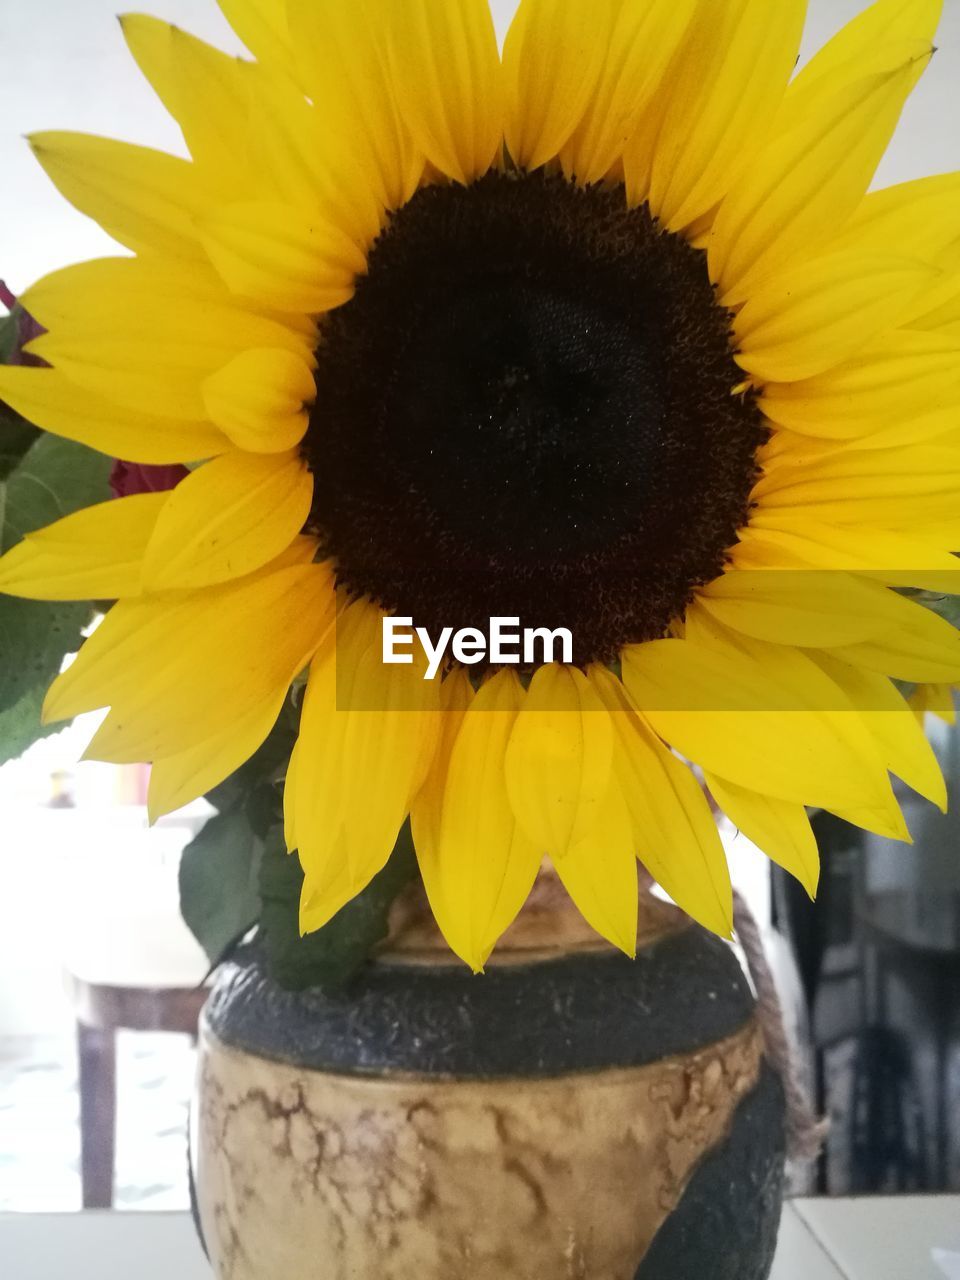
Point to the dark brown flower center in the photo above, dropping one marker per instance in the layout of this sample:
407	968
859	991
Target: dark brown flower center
526	410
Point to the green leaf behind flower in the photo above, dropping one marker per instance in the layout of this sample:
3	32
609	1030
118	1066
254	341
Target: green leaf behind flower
53	478
334	954
946	606
219	873
237	873
16	437
34	638
9	335
219	878
20	725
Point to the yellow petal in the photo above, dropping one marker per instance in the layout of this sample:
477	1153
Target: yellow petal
124	372
342	57
698	232
51	401
888	823
262	26
558	759
147	332
791	449
282	256
791	539
938	699
600	874
888	382
552	58
807	319
177	780
887	716
290	799
323	895
914	639
812	609
642	44
907	489
804	183
228	518
676	834
182	667
447	82
486	864
259	399
764	716
307	154
857	45
730	79
148	295
456	695
94	554
146	200
923	214
919	647
202	88
883	815
937	308
779	828
366	739
800	479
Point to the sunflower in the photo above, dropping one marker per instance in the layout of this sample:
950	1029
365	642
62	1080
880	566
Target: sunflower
604	333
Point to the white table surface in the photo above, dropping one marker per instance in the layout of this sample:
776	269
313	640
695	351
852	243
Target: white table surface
870	1239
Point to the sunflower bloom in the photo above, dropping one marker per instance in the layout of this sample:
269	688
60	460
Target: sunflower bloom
603	332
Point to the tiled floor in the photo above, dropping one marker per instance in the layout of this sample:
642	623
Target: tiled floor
40	1130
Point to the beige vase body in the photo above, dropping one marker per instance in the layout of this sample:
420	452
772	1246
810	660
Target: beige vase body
571	1115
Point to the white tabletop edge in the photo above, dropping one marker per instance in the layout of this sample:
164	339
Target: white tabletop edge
100	1245
800	1255
884	1238
869	1239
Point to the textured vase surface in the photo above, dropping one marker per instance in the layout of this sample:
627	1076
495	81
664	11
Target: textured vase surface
569	1115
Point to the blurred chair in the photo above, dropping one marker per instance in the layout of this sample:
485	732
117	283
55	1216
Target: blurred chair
130	961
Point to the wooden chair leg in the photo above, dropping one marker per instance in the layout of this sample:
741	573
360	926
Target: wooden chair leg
97	1053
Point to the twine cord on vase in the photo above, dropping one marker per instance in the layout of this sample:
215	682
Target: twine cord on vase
806	1132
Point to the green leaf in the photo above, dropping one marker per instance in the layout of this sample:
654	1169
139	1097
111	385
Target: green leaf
946	606
34	638
16	437
330	957
219	873
9	335
54	478
20	725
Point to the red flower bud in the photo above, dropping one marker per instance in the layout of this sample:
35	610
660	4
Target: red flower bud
128	478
